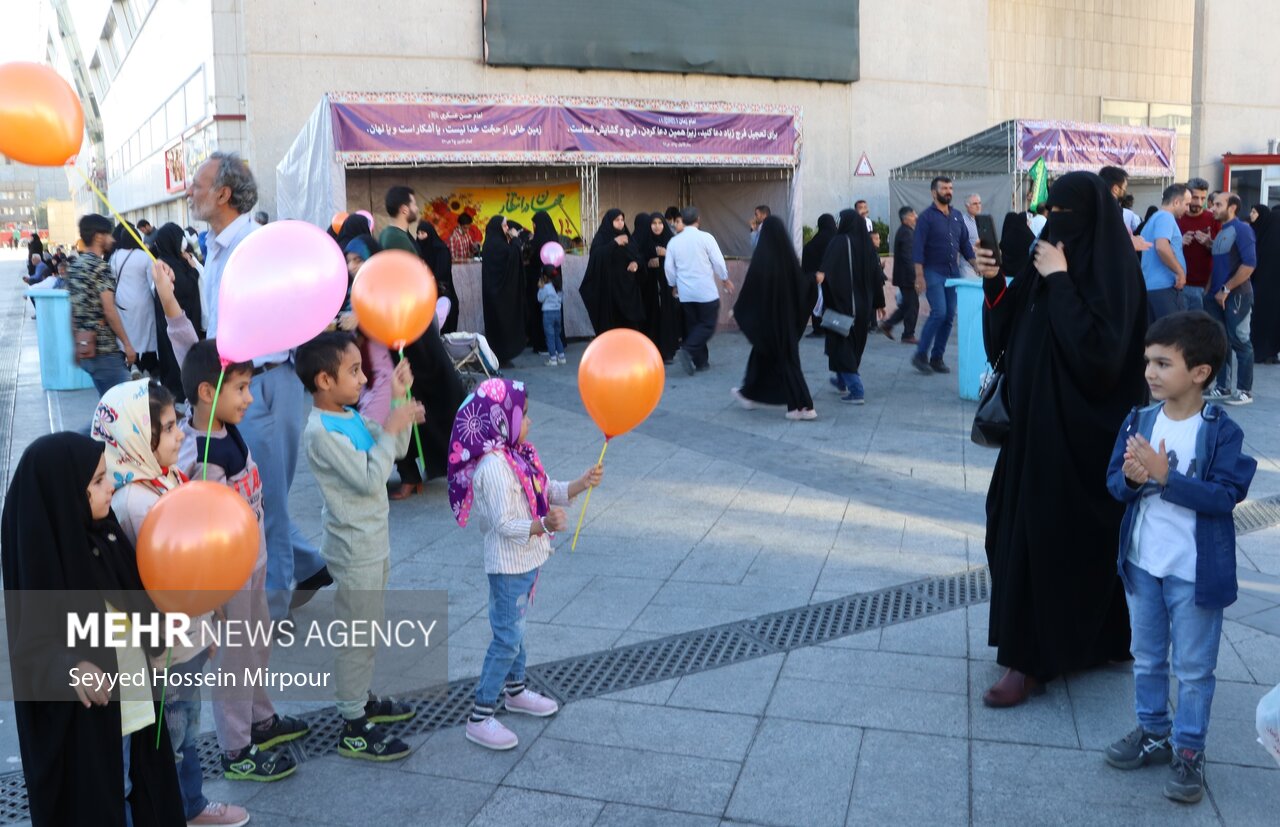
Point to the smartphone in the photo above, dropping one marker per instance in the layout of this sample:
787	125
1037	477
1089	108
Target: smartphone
987	235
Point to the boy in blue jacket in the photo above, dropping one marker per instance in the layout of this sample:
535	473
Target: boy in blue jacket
1179	467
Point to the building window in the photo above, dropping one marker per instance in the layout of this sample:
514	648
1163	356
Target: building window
125	17
1175	116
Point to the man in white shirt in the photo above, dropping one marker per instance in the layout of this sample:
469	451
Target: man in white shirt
972	209
695	267
222	192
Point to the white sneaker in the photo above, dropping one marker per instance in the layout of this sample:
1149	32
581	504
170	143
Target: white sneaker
552	362
1216	394
746	403
1241	398
562	360
802	415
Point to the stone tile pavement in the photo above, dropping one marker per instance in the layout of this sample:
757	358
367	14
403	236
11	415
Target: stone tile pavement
710	514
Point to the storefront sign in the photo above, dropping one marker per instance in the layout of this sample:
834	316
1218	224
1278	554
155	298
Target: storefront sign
1067	146
415	128
515	203
175	169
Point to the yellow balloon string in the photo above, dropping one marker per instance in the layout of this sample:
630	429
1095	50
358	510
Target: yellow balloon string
574	545
119	217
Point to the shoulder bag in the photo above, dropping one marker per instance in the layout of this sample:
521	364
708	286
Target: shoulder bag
991	421
839	323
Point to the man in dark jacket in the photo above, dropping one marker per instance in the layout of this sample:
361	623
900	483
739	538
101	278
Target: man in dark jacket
904	278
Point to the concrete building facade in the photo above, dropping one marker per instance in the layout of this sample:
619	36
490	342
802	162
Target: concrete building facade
233	74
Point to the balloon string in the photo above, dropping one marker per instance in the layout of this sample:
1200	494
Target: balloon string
164	691
574	545
119	217
417	439
208	435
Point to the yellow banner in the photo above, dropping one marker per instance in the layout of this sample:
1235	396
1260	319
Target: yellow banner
516	203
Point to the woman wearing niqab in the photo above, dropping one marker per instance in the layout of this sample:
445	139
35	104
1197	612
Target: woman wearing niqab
1072	344
772	310
502	291
611	286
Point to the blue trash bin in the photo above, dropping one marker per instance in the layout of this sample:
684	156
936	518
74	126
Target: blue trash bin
973	354
58	368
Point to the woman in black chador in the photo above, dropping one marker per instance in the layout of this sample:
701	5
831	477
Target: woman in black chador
1265	332
666	327
433	251
544	233
502	290
611	286
813	251
851	281
1071	327
772	310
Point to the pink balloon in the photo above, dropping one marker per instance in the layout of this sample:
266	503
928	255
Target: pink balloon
282	286
552	254
367	217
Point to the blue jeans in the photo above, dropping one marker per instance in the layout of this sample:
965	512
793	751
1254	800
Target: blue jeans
510	596
1193	298
128	782
272	428
1164	302
942	315
699	326
106	370
182	717
1236	317
1163	613
553	327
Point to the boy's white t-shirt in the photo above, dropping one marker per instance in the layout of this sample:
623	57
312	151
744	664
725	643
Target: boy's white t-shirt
1164	534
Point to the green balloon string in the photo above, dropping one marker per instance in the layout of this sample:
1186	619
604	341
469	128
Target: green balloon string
417	439
164	691
208	435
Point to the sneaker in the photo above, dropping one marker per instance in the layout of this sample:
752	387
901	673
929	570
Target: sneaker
363	738
853	398
1186	781
921	364
491	734
1241	398
701	368
306	589
686	362
255	765
387	710
528	702
216	812
802	415
1138	749
284	728
838	385
553	362
562	360
1217	394
938	366
747	404
910	340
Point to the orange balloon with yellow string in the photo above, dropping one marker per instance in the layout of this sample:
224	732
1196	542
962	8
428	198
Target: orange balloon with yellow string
41	120
394	297
620	379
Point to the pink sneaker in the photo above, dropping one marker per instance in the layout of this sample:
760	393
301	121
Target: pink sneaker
529	702
491	735
216	812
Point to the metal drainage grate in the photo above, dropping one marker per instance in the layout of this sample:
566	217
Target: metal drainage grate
1253	515
626	667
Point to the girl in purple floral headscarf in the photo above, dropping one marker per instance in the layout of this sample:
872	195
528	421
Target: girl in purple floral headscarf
493	468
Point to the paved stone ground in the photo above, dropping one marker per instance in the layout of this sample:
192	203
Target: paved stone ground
711	514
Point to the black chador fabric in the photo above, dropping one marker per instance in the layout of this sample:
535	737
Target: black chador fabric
437	385
436	254
51	545
816	247
610	291
772	310
666	324
353	227
502	290
852	285
1072	345
1016	239
544	232
1265	332
186	289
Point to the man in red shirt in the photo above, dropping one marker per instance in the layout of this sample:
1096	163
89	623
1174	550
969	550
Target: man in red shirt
1199	228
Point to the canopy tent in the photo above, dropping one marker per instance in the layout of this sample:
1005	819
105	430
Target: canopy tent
995	162
711	154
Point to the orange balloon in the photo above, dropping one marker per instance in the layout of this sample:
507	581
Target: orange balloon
338	219
394	297
41	121
197	547
620	379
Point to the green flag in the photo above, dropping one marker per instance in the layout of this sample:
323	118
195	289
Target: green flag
1039	184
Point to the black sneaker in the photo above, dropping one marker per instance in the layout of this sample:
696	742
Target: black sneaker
939	366
387	710
307	588
1186	783
254	765
284	728
921	364
364	739
1138	749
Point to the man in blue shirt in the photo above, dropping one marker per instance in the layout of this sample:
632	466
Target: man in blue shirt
1164	266
1230	298
940	237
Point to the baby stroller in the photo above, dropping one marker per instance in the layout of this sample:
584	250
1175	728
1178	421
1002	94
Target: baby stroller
470	352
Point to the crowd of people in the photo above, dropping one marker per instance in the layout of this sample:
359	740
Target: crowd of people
1125	550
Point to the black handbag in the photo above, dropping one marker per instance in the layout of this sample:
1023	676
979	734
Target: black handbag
839	323
991	421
